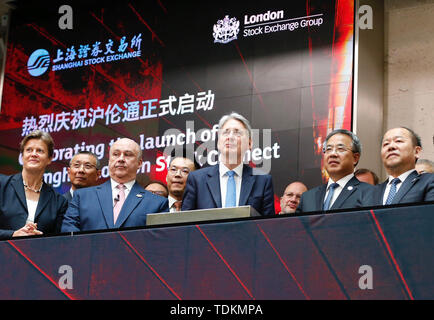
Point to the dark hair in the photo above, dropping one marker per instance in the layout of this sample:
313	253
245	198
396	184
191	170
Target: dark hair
356	144
157	182
89	154
183	154
363	170
415	139
39	135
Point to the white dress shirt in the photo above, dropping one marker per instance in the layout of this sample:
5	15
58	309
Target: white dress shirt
172	200
115	190
341	182
31	208
238	176
402	177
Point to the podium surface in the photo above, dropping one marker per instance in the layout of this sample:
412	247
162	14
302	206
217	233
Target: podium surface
213	214
319	256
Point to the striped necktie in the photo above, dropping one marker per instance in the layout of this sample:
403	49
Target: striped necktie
392	191
328	200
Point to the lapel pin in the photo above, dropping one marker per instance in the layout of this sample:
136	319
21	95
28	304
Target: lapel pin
139	195
350	188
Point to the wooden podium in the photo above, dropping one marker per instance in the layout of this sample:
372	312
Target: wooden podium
200	215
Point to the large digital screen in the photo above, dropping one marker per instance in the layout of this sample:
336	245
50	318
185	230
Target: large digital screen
164	72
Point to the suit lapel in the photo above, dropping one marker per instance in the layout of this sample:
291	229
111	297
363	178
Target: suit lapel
213	183
135	196
406	186
44	198
319	197
247	185
105	198
68	195
380	195
17	183
348	189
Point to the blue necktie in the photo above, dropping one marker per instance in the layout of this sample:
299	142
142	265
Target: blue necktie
327	201
392	190
231	191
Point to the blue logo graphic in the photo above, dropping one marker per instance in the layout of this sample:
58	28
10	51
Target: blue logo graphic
38	62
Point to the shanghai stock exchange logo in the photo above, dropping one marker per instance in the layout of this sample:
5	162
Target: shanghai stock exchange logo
226	30
38	62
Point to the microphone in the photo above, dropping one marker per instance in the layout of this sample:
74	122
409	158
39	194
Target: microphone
116	200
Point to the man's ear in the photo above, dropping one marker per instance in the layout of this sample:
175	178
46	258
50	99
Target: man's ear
417	151
356	158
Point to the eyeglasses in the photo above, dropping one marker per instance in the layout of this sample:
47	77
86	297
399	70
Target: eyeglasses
236	133
340	149
86	166
159	193
174	171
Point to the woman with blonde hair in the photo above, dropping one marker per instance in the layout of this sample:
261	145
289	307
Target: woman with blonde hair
28	206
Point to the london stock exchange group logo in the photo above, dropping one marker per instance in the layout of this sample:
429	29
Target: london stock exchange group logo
38	62
226	30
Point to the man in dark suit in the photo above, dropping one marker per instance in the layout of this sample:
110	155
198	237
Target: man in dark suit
400	150
176	178
118	203
230	183
342	150
84	171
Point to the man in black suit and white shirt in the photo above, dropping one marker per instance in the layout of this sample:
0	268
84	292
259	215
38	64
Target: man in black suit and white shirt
342	151
84	171
400	150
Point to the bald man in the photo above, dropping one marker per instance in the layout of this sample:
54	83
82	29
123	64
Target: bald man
120	202
291	197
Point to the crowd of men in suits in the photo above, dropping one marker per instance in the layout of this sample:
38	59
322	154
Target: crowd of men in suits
122	202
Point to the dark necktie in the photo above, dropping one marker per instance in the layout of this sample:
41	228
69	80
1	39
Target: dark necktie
392	191
327	201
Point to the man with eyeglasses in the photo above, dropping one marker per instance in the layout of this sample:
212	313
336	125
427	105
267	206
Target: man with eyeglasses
179	169
157	187
342	150
84	171
230	183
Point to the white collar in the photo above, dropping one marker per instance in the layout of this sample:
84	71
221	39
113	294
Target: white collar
128	184
401	177
341	182
172	200
223	169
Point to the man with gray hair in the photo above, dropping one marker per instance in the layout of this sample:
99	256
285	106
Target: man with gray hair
424	166
230	183
342	150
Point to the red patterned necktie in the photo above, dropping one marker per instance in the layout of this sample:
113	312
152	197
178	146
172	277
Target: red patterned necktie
177	205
